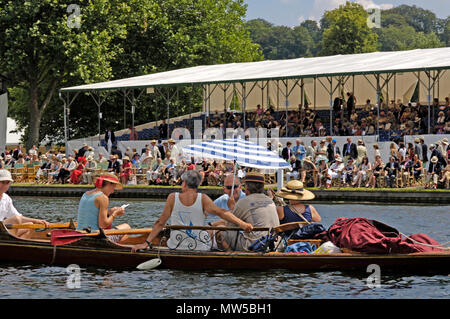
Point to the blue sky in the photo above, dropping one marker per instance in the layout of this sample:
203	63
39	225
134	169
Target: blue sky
292	12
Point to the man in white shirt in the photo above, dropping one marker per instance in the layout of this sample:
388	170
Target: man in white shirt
66	169
8	213
174	152
335	170
33	151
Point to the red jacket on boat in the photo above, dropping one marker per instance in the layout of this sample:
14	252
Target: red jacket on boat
373	237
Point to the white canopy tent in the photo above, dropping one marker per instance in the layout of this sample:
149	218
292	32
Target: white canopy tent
287	82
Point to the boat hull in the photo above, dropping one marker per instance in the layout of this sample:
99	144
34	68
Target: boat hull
100	252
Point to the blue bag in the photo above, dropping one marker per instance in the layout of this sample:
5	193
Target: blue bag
308	231
263	244
300	247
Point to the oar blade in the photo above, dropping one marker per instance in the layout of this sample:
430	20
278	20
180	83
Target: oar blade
149	264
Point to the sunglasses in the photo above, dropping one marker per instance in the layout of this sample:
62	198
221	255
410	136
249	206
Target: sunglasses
230	187
5	182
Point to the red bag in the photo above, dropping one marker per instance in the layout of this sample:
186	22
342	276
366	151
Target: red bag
373	237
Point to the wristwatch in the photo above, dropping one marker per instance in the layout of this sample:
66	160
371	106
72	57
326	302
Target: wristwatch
149	244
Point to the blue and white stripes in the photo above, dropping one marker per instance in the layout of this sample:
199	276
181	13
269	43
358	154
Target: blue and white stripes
245	153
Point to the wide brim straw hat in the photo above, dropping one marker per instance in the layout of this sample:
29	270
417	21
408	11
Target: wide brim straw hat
109	177
255	177
5	175
294	190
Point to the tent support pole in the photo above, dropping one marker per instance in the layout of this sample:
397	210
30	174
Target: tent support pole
377	76
331	105
315	93
286	102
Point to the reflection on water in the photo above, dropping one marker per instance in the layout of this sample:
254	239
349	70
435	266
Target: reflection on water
42	281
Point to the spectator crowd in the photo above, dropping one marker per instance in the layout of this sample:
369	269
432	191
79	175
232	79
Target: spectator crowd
322	163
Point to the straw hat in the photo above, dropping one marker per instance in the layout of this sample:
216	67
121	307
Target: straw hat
5	175
255	177
308	159
294	190
110	177
444	141
126	158
434	159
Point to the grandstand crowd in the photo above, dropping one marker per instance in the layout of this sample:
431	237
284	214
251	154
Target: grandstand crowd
321	163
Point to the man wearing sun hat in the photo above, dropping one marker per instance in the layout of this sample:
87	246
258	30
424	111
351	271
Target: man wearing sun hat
8	213
434	169
255	208
335	170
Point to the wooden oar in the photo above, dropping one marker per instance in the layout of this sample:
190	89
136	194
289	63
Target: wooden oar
39	226
278	229
155	262
66	236
180	227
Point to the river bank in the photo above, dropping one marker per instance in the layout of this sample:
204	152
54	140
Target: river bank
395	196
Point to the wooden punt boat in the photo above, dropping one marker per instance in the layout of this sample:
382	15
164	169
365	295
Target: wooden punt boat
99	251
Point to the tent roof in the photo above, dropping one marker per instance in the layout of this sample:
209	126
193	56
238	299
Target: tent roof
364	63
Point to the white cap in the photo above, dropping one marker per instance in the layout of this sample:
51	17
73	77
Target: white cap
5	175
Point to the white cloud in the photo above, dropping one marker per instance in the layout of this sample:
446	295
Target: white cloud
369	4
320	6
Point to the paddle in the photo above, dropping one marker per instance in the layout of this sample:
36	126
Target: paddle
155	262
38	226
177	227
66	236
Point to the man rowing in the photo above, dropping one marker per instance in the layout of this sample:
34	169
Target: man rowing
256	208
189	208
227	200
9	214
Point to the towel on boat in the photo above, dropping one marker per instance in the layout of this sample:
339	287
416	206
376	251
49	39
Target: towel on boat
373	237
300	247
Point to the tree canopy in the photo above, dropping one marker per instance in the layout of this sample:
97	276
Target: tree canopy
343	31
44	49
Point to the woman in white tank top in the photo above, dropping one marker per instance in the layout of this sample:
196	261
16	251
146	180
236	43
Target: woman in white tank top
189	208
188	216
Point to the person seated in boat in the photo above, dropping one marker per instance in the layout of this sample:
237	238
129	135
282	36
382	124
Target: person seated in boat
93	209
189	208
255	208
296	211
9	214
226	201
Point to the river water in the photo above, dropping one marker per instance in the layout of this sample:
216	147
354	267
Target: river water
49	282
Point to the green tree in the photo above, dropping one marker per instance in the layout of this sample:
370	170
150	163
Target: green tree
421	20
40	51
394	38
346	31
116	39
281	42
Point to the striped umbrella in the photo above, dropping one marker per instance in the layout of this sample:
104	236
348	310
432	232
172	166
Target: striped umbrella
236	150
